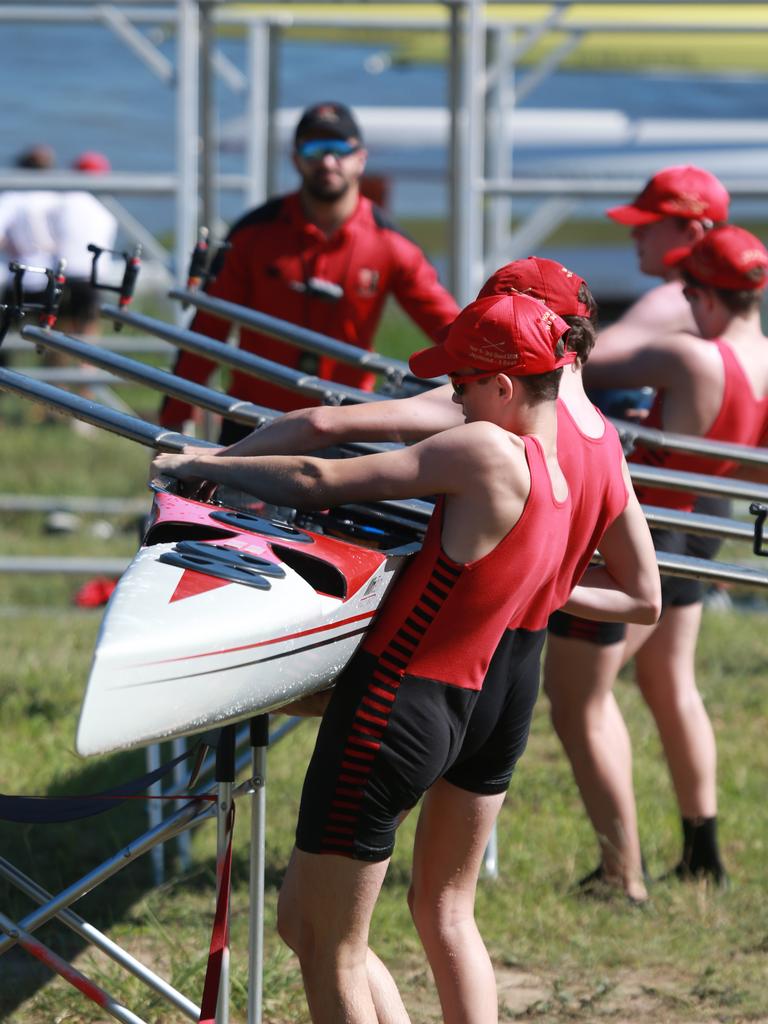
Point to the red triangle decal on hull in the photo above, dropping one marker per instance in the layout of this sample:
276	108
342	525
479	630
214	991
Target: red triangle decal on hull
193	583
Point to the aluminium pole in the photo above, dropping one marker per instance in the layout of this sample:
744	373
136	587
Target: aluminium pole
257	130
455	224
190	63
187	134
259	740
468	143
209	140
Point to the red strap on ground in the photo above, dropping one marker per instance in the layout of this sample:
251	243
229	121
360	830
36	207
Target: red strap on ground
220	933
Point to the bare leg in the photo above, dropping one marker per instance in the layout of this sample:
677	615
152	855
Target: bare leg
452	833
324	915
578	679
666	676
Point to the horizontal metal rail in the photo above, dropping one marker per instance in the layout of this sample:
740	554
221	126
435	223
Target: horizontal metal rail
99	415
650	437
70	375
310	341
694	522
713	572
162	380
71	503
697	483
43	565
327	391
413	510
598	188
108	343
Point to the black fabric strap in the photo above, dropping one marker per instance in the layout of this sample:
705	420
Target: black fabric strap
38	810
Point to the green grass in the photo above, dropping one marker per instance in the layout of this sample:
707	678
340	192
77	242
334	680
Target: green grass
708	52
694	956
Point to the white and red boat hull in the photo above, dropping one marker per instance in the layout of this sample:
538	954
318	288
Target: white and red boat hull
275	614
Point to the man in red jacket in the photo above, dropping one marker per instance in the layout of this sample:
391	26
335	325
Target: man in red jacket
325	258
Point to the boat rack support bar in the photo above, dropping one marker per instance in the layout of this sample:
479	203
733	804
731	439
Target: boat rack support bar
56	963
225	780
194	810
259	740
101	941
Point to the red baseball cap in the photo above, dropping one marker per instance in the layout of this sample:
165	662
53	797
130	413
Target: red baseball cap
95	163
683	191
548	280
727	257
514	334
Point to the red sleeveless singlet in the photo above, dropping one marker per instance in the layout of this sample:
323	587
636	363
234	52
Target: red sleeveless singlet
742	419
443	619
592	466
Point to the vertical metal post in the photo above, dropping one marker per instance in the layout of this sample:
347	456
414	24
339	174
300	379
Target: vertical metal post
499	110
184	839
467	200
187	135
225	777
259	738
155	813
455	223
209	140
273	145
258	112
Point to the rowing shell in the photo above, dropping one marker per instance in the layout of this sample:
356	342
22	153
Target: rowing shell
226	613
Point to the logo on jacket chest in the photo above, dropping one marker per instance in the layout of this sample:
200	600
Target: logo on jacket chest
367	284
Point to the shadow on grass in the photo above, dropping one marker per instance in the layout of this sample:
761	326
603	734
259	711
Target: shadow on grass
57	855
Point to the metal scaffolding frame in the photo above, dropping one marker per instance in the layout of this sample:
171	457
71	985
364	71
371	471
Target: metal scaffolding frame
485	50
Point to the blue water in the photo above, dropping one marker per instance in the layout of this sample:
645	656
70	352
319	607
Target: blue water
79	87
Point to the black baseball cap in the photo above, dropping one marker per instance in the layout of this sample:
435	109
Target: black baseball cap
332	120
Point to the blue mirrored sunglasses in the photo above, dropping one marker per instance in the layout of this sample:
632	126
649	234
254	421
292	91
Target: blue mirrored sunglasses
316	149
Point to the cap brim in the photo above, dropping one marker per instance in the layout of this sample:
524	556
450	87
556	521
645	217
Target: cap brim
434	361
632	216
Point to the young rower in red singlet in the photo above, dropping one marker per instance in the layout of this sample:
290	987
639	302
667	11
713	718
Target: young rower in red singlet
590	453
397	721
714	386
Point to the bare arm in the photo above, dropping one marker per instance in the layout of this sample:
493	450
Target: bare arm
309	430
444	464
627	353
627	588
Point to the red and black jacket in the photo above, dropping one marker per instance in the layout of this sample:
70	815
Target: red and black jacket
273	251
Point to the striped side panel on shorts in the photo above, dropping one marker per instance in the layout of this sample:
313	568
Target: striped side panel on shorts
372	717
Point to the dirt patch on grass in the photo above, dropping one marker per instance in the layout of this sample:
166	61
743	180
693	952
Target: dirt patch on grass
627	997
624	998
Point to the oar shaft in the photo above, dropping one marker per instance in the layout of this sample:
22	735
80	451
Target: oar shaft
325	391
160	380
130	427
302	337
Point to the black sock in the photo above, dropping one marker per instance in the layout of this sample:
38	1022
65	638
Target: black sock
701	855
